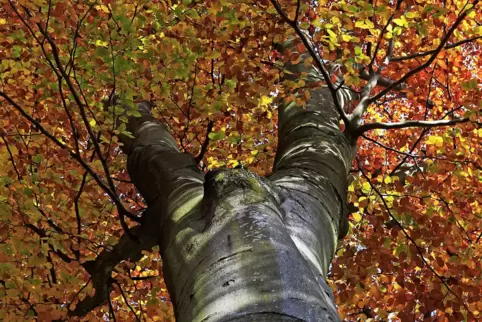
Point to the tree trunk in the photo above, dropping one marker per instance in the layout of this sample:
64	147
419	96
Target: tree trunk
239	247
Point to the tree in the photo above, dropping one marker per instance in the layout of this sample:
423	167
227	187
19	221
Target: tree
135	131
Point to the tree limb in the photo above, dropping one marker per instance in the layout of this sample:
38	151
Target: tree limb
401	125
319	64
205	145
356	115
101	268
382	81
12	159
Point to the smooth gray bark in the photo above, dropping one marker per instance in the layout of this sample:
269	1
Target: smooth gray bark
238	247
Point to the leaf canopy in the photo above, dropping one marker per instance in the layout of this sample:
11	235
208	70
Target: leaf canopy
414	248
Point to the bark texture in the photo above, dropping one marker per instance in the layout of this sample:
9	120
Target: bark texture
238	247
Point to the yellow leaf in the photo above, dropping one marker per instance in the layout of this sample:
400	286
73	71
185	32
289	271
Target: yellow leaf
265	100
345	37
442	64
366	187
101	43
402	22
435	140
365	24
356	216
103	8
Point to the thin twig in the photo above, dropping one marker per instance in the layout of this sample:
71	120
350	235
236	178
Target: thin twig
127	302
429	52
12	160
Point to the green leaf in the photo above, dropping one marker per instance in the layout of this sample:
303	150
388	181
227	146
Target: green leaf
128	134
216	136
10	284
358	51
472	84
230	84
134	113
235	139
37	158
17	51
193	14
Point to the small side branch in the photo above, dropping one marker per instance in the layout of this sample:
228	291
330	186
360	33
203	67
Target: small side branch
430	52
126	300
12	159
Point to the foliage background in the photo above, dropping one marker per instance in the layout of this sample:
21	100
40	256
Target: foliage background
414	247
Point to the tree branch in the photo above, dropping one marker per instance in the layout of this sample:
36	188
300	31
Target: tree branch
297	12
377	47
12	159
127	301
205	145
400	125
319	64
362	105
101	268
